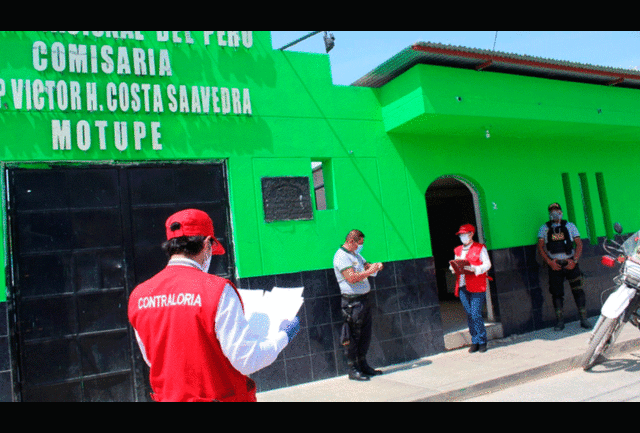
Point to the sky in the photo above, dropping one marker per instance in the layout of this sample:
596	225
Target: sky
356	53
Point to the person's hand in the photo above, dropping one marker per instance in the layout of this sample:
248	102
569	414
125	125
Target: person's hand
553	264
372	268
291	327
570	264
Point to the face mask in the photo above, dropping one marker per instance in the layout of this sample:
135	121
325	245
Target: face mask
359	249
465	238
555	215
206	263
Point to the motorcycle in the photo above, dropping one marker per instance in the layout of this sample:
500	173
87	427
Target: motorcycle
622	305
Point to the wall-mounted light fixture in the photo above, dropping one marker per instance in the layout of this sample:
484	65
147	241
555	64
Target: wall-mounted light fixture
329	40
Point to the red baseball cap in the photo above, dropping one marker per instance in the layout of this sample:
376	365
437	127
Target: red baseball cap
466	228
192	222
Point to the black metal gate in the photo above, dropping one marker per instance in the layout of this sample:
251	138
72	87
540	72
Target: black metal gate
81	239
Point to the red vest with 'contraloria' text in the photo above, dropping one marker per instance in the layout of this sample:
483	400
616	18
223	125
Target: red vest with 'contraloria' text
174	315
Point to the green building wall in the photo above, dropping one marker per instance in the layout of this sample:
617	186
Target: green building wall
384	146
297	116
539	130
519	142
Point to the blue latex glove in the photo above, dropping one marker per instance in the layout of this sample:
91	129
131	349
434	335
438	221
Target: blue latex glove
291	328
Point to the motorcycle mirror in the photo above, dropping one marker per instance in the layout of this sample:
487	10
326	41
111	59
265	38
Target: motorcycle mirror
618	228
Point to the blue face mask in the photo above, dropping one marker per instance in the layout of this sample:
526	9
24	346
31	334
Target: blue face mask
555	215
359	249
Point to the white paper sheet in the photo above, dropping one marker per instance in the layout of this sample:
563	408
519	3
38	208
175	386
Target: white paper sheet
265	310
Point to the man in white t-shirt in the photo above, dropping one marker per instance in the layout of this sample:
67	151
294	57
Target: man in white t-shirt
352	272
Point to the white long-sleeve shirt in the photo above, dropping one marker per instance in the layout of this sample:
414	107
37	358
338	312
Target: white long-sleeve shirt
247	349
243	346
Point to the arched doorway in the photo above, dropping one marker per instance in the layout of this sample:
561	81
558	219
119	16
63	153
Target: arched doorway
451	202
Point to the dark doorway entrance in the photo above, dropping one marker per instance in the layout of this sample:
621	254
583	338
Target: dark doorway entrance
81	239
450	203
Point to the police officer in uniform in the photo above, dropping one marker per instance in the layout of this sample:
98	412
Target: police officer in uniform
556	239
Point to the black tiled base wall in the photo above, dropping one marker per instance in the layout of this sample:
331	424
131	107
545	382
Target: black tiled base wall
406	318
406	313
406	322
521	287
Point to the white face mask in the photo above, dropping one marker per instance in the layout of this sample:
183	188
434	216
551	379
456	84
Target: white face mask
206	264
465	238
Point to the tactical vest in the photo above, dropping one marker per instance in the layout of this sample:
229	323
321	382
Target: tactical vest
558	239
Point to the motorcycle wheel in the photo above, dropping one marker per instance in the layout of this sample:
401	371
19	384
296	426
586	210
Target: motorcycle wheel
600	341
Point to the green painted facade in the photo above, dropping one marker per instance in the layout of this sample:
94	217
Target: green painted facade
229	96
438	118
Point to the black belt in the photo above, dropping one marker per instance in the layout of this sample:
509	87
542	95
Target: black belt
564	262
355	297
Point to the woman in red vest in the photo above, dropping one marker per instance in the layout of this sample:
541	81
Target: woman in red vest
471	284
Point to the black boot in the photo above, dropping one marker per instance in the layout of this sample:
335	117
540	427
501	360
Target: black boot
558	304
474	348
559	321
583	319
366	369
355	373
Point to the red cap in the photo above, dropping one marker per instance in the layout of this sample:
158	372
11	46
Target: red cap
192	222
466	228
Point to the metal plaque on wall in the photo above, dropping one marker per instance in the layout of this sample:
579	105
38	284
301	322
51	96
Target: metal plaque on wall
286	198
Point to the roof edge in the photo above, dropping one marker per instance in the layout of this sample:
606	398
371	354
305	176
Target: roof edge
496	61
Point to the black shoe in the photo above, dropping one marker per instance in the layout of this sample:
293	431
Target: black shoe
585	324
474	348
355	374
557	303
483	348
366	369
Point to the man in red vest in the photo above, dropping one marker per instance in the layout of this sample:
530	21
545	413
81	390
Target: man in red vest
190	325
471	284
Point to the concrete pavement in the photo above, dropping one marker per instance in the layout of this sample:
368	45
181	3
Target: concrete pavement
456	374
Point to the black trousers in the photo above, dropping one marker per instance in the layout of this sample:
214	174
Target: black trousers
556	286
356	330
